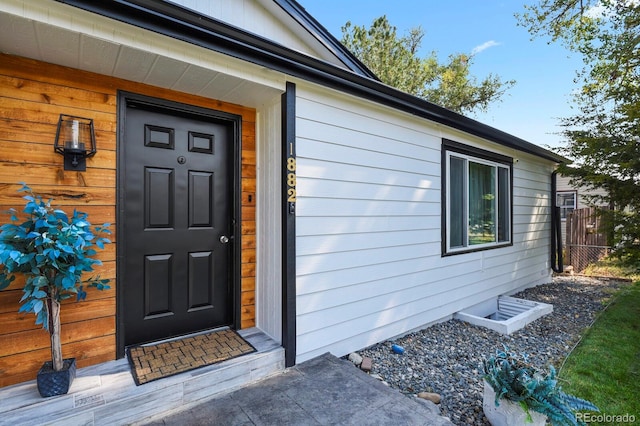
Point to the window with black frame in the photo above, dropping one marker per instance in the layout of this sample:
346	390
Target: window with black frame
477	206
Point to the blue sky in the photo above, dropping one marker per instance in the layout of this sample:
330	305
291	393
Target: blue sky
544	73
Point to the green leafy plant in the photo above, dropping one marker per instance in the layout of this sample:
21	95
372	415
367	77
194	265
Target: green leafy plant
513	378
52	251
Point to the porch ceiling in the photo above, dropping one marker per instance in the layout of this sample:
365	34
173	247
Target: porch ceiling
56	44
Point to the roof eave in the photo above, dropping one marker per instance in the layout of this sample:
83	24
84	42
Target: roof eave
174	21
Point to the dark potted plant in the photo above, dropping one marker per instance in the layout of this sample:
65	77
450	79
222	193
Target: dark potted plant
52	251
512	382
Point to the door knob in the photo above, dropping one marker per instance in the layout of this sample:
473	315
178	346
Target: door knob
224	239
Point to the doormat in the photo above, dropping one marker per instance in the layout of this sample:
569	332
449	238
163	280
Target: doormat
153	362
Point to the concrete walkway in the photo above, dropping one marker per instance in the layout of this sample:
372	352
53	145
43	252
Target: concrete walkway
323	391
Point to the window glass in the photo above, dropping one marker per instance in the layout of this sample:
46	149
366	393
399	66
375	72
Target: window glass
567	203
482	203
478	202
457	211
504	198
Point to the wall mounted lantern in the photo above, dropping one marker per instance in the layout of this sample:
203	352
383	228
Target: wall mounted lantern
76	140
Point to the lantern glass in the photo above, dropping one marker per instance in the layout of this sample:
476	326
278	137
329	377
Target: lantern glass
75	139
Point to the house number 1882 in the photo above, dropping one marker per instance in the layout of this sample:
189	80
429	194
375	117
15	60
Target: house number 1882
291	180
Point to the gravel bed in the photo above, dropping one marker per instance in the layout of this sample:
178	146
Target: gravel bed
445	358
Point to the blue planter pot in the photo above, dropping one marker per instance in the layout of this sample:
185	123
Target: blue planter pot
52	383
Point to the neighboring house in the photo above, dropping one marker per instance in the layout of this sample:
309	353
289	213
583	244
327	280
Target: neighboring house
240	144
571	197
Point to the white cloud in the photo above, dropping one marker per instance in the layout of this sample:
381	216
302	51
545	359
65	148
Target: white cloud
597	11
484	46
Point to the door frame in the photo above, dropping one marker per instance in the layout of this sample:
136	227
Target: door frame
126	99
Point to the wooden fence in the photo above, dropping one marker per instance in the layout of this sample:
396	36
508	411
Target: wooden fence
586	241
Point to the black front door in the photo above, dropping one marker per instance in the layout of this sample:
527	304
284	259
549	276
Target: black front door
177	195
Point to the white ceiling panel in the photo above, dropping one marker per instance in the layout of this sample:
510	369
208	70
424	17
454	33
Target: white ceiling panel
98	55
134	64
58	47
247	94
221	86
194	79
18	36
165	72
97	52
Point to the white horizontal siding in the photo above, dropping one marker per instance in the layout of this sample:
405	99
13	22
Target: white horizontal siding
367	273
382	254
368	218
319	150
266	19
345	172
250	16
326	225
346	303
342	243
365	139
340	189
375	326
309	206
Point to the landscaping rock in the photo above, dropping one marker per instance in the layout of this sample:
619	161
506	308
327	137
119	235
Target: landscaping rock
430	396
355	358
366	364
446	357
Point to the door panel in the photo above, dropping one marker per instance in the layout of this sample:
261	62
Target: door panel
201	198
157	285
159	198
201	275
177	199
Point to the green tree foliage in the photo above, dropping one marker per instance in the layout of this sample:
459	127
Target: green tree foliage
603	137
395	61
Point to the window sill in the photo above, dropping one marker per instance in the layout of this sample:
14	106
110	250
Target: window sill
476	249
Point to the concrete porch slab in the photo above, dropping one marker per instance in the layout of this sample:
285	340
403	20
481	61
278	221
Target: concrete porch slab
106	393
322	391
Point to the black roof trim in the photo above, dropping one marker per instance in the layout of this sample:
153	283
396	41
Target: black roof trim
300	14
183	24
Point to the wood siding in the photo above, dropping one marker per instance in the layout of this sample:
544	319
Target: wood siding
369	263
32	96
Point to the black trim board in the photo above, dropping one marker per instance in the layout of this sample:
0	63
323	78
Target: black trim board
125	99
557	261
449	145
183	24
288	228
